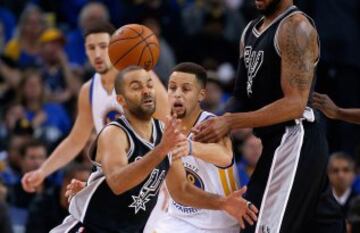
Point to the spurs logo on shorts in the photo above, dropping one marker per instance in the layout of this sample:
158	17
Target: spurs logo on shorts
253	61
148	191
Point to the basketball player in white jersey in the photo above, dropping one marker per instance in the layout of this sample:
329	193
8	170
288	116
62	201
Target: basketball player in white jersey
96	105
208	166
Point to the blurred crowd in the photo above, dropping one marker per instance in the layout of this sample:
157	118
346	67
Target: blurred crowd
43	64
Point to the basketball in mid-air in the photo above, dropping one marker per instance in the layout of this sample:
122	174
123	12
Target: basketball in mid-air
134	44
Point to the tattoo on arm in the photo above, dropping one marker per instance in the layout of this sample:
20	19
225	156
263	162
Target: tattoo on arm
299	49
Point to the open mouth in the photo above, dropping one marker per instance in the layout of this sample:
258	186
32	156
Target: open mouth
148	101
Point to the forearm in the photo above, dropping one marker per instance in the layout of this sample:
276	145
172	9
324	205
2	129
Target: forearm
135	172
192	196
282	110
62	155
212	153
351	115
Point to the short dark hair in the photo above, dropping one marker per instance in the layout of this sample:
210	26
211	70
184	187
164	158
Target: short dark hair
342	156
192	68
120	78
99	27
31	144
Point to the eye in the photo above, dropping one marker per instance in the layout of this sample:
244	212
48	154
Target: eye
172	87
135	86
103	46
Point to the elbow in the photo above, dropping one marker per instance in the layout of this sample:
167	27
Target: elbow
298	107
114	186
179	193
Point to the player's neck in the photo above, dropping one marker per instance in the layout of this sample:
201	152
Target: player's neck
283	6
141	126
189	121
108	80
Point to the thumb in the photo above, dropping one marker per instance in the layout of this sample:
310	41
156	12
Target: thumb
241	191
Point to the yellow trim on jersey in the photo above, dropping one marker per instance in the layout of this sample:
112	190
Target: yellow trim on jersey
232	178
224	182
228	180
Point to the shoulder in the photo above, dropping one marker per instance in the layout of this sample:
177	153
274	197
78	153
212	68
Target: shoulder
297	35
297	25
113	132
84	94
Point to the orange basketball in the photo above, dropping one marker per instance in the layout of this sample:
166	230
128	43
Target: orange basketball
134	44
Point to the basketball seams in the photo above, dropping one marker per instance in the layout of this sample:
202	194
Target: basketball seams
144	40
124	55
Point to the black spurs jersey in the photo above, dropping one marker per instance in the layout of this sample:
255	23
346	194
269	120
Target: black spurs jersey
100	210
258	81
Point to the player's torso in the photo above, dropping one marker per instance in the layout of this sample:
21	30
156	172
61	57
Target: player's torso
262	62
129	211
103	105
210	178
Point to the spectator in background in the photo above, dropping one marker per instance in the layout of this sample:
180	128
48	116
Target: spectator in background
251	151
49	120
214	29
51	207
10	78
20	134
5	222
213	101
60	82
33	155
7	25
341	172
91	12
339	66
24	47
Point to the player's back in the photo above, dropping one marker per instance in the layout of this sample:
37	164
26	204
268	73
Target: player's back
104	107
100	210
213	179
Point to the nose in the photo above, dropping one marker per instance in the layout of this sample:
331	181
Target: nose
97	52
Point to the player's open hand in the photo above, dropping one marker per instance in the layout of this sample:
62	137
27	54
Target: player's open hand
326	105
211	130
32	180
239	208
172	135
73	188
182	149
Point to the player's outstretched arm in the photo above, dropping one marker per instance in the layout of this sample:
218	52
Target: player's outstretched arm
219	153
114	161
332	111
298	44
187	194
162	102
68	148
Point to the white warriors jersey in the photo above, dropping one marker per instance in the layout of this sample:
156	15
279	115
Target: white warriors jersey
210	178
104	107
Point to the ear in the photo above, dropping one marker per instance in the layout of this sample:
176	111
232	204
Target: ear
202	95
121	100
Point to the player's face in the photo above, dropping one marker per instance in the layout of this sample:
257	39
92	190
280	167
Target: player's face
185	93
139	94
267	7
341	174
96	46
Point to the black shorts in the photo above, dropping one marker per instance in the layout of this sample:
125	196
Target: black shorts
290	184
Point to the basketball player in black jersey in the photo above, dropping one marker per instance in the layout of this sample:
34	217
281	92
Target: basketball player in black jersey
278	56
132	161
